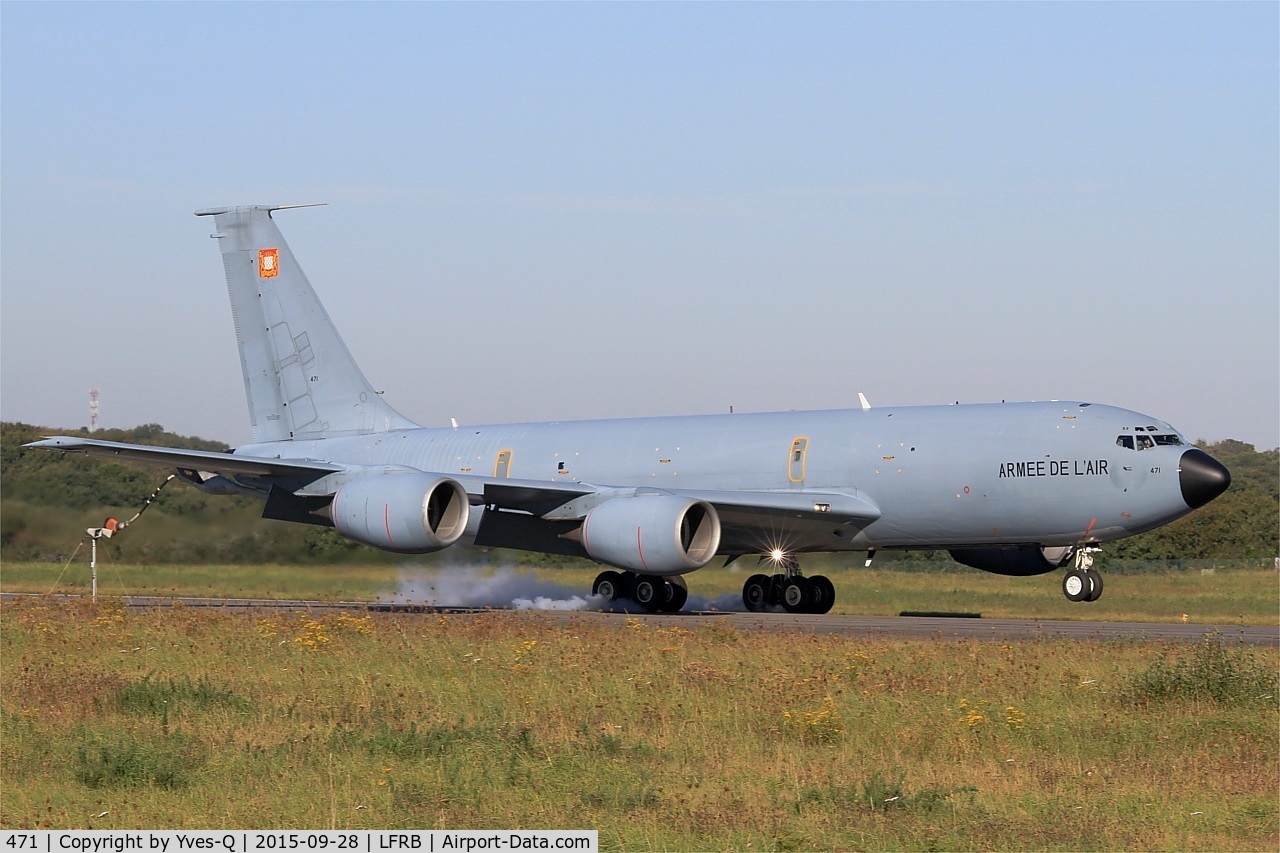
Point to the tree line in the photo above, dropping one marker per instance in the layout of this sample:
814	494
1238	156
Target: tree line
48	499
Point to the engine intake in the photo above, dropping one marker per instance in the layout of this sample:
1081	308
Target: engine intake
653	534
406	513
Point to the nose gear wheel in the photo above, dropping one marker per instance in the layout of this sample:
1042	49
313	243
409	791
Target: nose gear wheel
1083	582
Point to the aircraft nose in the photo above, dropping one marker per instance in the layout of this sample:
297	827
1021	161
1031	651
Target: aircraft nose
1202	477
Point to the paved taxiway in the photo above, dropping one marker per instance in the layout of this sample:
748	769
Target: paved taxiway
919	627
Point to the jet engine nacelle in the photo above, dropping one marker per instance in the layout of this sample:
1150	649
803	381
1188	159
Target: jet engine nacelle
652	534
408	513
1016	560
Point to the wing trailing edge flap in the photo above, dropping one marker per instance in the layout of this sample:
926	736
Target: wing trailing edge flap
531	496
526	514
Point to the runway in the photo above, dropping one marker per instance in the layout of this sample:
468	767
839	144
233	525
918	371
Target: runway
939	627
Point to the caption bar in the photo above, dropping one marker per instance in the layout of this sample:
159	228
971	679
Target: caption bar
257	841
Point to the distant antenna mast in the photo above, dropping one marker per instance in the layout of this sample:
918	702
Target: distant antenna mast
93	410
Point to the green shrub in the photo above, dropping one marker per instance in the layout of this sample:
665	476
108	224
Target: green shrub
120	760
161	697
1210	670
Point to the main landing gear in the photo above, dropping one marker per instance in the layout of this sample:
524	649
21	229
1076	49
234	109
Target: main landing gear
792	590
653	593
1083	582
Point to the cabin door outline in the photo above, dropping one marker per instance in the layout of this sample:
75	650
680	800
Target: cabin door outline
502	464
797	459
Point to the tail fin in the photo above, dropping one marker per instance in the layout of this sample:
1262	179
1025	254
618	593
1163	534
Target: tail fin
299	377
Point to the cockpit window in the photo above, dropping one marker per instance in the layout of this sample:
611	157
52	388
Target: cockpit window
1143	441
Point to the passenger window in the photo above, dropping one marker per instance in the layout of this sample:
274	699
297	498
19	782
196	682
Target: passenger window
1125	441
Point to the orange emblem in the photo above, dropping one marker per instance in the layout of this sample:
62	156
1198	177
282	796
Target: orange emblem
268	263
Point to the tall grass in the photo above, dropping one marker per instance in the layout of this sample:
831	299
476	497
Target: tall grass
661	738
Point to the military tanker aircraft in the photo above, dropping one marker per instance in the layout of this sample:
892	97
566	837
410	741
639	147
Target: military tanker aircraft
1011	488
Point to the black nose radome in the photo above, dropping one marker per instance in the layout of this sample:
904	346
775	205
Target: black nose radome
1202	477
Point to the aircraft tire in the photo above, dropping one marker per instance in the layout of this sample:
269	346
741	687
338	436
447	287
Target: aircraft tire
798	596
824	594
651	592
609	585
1076	585
679	595
755	593
1095	585
777	583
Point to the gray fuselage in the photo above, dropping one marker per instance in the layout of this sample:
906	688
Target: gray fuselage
1050	473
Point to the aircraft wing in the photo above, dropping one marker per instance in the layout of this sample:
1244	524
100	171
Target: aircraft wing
530	510
535	497
228	464
540	515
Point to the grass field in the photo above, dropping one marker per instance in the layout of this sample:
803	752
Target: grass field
663	739
1219	597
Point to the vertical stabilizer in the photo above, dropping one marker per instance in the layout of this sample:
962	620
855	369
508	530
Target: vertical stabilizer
299	377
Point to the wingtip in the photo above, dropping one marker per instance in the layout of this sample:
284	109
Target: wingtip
48	441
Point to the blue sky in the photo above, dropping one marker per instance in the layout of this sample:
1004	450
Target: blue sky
553	211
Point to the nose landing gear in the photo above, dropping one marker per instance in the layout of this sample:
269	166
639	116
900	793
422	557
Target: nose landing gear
1083	582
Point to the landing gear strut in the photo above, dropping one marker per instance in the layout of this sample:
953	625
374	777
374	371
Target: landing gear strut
791	589
1083	582
653	593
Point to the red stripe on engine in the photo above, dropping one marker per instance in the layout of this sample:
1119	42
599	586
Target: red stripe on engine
386	520
640	549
